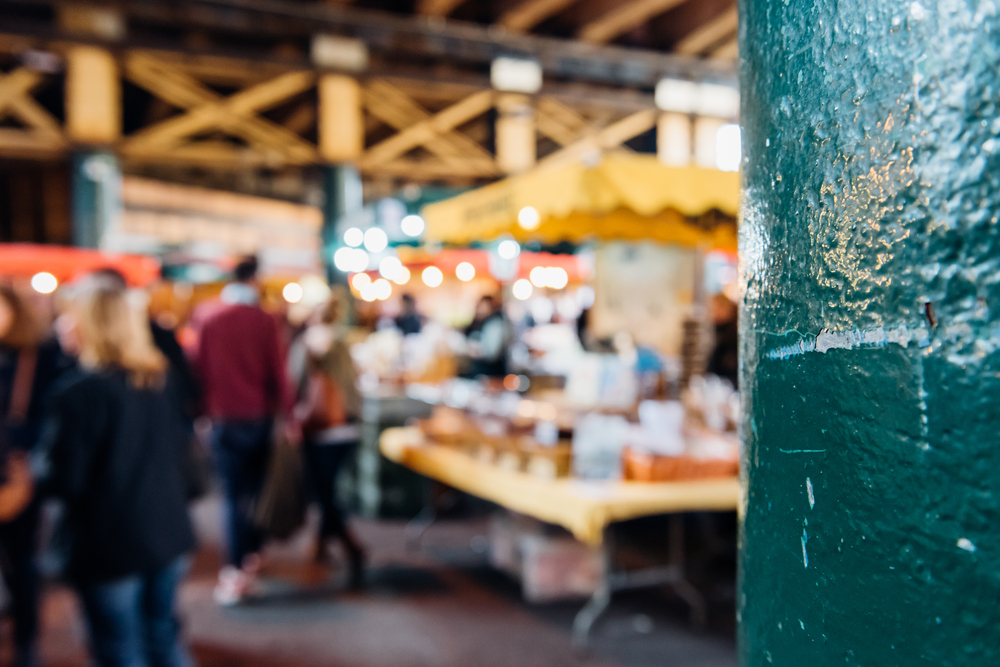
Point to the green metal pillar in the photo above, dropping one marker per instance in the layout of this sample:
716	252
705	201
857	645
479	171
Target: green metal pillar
343	196
870	330
96	197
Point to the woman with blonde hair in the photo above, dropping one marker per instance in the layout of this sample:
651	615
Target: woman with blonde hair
116	447
330	411
30	364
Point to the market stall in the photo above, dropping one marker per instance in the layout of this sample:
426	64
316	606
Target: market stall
620	437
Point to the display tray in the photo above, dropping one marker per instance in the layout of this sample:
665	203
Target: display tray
645	467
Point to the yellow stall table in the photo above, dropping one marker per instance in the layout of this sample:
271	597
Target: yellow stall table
585	508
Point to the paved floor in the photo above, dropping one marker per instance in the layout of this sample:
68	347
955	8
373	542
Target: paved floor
442	606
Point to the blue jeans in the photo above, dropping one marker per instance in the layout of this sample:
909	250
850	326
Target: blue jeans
242	450
132	621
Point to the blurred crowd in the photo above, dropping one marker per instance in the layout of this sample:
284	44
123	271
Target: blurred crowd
104	421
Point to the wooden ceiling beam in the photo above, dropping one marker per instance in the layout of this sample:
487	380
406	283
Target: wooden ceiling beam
611	137
432	170
530	13
397	109
728	51
560	123
437	8
16	101
709	34
628	15
426	131
208	111
394	38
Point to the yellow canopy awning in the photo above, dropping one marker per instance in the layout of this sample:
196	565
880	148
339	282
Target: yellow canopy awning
625	197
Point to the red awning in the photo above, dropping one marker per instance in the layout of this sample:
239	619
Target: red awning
23	260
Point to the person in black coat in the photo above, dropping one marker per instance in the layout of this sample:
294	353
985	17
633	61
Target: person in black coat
31	362
115	445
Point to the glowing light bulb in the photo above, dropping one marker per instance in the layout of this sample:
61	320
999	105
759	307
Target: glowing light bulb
728	151
44	283
354	237
390	267
538	276
359	281
412	225
383	290
375	240
292	292
522	289
432	276
556	277
528	218
350	260
402	277
465	272
508	249
342	259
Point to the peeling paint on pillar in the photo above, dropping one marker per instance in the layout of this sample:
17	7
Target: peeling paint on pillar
870	258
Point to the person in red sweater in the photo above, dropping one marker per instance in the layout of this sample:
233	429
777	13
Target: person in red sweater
242	364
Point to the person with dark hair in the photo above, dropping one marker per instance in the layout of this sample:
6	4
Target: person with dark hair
115	450
241	360
409	321
488	337
246	270
724	360
31	361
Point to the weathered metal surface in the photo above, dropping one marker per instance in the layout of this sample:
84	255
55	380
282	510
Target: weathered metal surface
870	256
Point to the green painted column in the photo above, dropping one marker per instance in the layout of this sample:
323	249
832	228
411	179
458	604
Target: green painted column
870	256
343	195
96	197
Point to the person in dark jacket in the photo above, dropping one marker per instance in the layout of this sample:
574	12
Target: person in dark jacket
30	363
724	361
115	445
330	413
409	321
488	339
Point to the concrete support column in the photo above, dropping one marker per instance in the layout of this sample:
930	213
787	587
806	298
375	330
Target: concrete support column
673	139
344	194
870	333
93	96
341	119
96	197
515	133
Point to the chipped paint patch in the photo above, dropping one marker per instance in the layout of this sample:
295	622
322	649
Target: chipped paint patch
852	339
966	545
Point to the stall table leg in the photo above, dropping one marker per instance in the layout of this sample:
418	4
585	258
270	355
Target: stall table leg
672	574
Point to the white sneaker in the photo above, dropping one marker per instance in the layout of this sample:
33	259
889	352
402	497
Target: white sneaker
233	587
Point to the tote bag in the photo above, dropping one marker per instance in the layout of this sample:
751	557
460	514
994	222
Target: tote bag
281	508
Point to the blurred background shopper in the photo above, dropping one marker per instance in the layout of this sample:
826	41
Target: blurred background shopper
242	365
330	412
116	445
30	361
488	339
